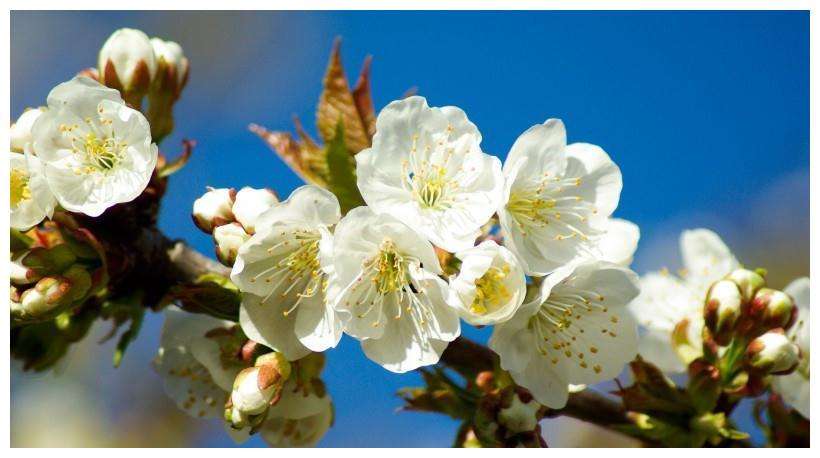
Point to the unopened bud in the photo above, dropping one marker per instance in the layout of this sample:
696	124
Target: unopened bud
249	396
722	309
20	131
519	411
127	63
172	66
170	78
769	309
772	353
748	282
485	381
255	387
250	203
19	274
228	238
214	209
47	295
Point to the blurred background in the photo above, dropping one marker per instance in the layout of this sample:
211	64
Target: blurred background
706	113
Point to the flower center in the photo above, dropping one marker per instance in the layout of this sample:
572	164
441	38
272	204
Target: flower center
102	154
560	325
426	172
96	153
546	205
391	275
19	192
491	290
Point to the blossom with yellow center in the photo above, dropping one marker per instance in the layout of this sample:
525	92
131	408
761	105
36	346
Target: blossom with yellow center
283	272
575	330
96	151
30	199
426	166
490	285
557	201
390	291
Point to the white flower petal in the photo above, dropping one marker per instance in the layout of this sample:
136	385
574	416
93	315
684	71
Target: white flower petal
265	322
620	241
706	259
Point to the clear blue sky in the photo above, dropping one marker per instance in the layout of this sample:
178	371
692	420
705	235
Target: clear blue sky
707	115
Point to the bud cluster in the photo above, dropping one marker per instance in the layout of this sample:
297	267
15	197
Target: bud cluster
46	280
231	217
744	339
139	66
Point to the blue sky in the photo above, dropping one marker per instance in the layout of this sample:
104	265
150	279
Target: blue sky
707	115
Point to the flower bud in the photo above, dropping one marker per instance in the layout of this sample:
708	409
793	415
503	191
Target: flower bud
172	67
171	76
748	282
772	353
249	395
519	411
214	209
228	238
127	63
769	309
722	310
20	131
250	203
256	387
20	274
47	295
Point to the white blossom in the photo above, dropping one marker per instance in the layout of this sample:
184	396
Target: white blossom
426	167
20	131
796	387
391	291
193	373
249	204
557	201
30	198
667	301
490	285
283	272
96	151
576	330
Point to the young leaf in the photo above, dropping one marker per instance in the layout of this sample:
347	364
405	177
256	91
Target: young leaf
342	172
336	104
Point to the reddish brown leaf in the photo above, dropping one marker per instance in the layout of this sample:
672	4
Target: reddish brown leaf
336	103
364	99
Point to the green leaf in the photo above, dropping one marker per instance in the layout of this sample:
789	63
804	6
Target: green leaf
342	172
129	335
210	294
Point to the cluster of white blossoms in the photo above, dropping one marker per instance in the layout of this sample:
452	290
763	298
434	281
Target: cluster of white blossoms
86	151
309	273
198	377
91	148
